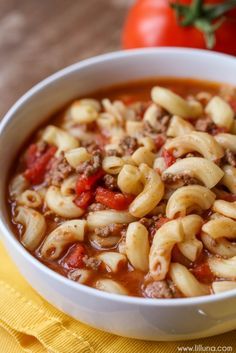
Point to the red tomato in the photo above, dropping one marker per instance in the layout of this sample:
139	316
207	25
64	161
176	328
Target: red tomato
152	23
86	183
111	199
74	258
159	141
84	200
203	273
31	155
161	221
168	157
233	104
38	165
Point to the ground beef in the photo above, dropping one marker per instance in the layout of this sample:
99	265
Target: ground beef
91	262
114	229
139	108
92	147
161	125
113	152
90	167
230	157
128	145
203	124
110	182
207	125
158	289
96	207
59	171
150	224
183	179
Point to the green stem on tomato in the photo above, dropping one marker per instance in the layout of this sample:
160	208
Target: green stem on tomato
212	12
201	16
195	12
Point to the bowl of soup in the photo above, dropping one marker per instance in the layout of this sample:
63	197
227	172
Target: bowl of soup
118	192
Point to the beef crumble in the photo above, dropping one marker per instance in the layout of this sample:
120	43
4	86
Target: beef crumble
90	167
158	289
230	157
160	126
128	145
182	178
91	262
110	182
96	206
150	224
114	229
60	169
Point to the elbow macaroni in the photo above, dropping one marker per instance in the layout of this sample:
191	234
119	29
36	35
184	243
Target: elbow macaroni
189	198
67	233
164	240
200	142
221	112
35	226
204	170
175	104
151	195
137	246
63	206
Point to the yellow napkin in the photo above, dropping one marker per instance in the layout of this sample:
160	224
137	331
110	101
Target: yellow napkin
29	324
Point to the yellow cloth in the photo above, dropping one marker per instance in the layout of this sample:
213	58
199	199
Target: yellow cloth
30	324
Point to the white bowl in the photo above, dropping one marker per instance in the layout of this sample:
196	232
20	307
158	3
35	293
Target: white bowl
151	319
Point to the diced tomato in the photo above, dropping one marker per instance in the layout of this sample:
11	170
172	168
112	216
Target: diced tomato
84	200
159	141
31	155
74	258
203	273
37	169
161	221
111	199
232	102
86	183
168	157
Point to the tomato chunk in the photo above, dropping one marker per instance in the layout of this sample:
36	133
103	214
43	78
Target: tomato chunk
168	157
74	258
159	141
232	102
38	165
111	199
31	155
203	273
85	183
161	221
84	200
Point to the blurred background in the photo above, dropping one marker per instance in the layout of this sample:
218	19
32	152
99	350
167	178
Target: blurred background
39	37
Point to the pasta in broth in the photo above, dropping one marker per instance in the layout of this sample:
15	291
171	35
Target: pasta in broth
132	191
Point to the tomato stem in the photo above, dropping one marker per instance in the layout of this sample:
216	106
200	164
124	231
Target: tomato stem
194	13
201	17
